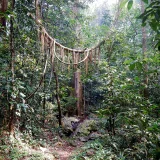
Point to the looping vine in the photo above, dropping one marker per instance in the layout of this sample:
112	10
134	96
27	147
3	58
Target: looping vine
73	63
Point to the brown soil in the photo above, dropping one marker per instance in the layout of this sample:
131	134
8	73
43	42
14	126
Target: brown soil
64	150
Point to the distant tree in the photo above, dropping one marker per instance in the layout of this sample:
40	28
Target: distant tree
3	9
144	50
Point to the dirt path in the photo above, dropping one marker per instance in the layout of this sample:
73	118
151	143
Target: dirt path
51	150
60	151
65	150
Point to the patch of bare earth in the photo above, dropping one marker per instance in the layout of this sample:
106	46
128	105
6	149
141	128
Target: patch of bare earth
65	150
62	150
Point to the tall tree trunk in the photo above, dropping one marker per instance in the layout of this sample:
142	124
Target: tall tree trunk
77	27
78	92
77	74
38	12
12	106
57	96
144	49
3	8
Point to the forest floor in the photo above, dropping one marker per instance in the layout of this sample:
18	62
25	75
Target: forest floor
60	151
65	151
64	148
49	147
47	144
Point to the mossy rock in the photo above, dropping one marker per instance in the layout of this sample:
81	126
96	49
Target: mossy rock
95	135
85	128
67	126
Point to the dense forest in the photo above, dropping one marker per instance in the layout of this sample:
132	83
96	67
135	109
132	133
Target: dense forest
79	80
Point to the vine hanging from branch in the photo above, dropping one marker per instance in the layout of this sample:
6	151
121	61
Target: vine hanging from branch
64	52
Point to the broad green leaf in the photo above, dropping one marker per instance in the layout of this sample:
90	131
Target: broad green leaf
153	25
143	24
154	107
130	3
128	61
131	67
123	3
136	79
139	66
145	1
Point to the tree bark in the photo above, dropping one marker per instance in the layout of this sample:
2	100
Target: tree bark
77	27
78	92
144	49
57	97
3	9
37	7
12	106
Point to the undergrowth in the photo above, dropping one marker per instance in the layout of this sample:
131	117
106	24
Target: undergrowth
135	140
23	146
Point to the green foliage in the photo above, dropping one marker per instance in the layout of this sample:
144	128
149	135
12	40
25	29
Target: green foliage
134	139
112	89
129	5
151	17
118	85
